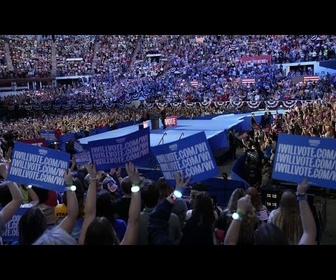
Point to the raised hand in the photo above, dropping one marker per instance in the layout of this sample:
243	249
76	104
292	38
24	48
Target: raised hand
244	203
133	173
91	168
181	182
68	178
303	187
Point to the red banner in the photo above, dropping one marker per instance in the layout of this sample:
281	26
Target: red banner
171	121
258	59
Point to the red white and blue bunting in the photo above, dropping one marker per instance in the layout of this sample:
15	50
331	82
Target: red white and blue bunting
255	105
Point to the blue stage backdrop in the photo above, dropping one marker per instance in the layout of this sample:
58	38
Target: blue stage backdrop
300	156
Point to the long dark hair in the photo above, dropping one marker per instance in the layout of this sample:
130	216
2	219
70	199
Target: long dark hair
104	206
32	224
101	232
204	208
270	234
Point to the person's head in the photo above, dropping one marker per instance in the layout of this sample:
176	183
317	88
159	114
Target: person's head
288	217
81	173
255	197
192	198
269	234
126	185
164	188
32	224
55	236
204	207
150	193
104	205
200	186
101	232
288	200
235	195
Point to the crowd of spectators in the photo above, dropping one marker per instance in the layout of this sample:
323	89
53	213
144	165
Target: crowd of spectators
160	69
172	67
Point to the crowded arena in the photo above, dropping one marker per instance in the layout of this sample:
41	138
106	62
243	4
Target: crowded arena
264	106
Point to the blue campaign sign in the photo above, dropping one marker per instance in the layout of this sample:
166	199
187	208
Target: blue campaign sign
116	152
82	158
38	166
78	147
48	135
300	156
192	155
66	137
11	233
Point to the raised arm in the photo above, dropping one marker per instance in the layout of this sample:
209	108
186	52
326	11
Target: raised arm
10	209
90	202
34	199
158	225
308	222
69	222
73	163
232	234
131	234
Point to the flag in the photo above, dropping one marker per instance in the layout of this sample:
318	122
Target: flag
194	83
248	81
310	78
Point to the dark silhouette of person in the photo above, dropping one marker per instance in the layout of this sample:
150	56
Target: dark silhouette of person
232	144
266	119
254	122
70	147
163	115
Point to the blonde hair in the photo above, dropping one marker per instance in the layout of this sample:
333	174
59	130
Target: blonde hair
287	217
